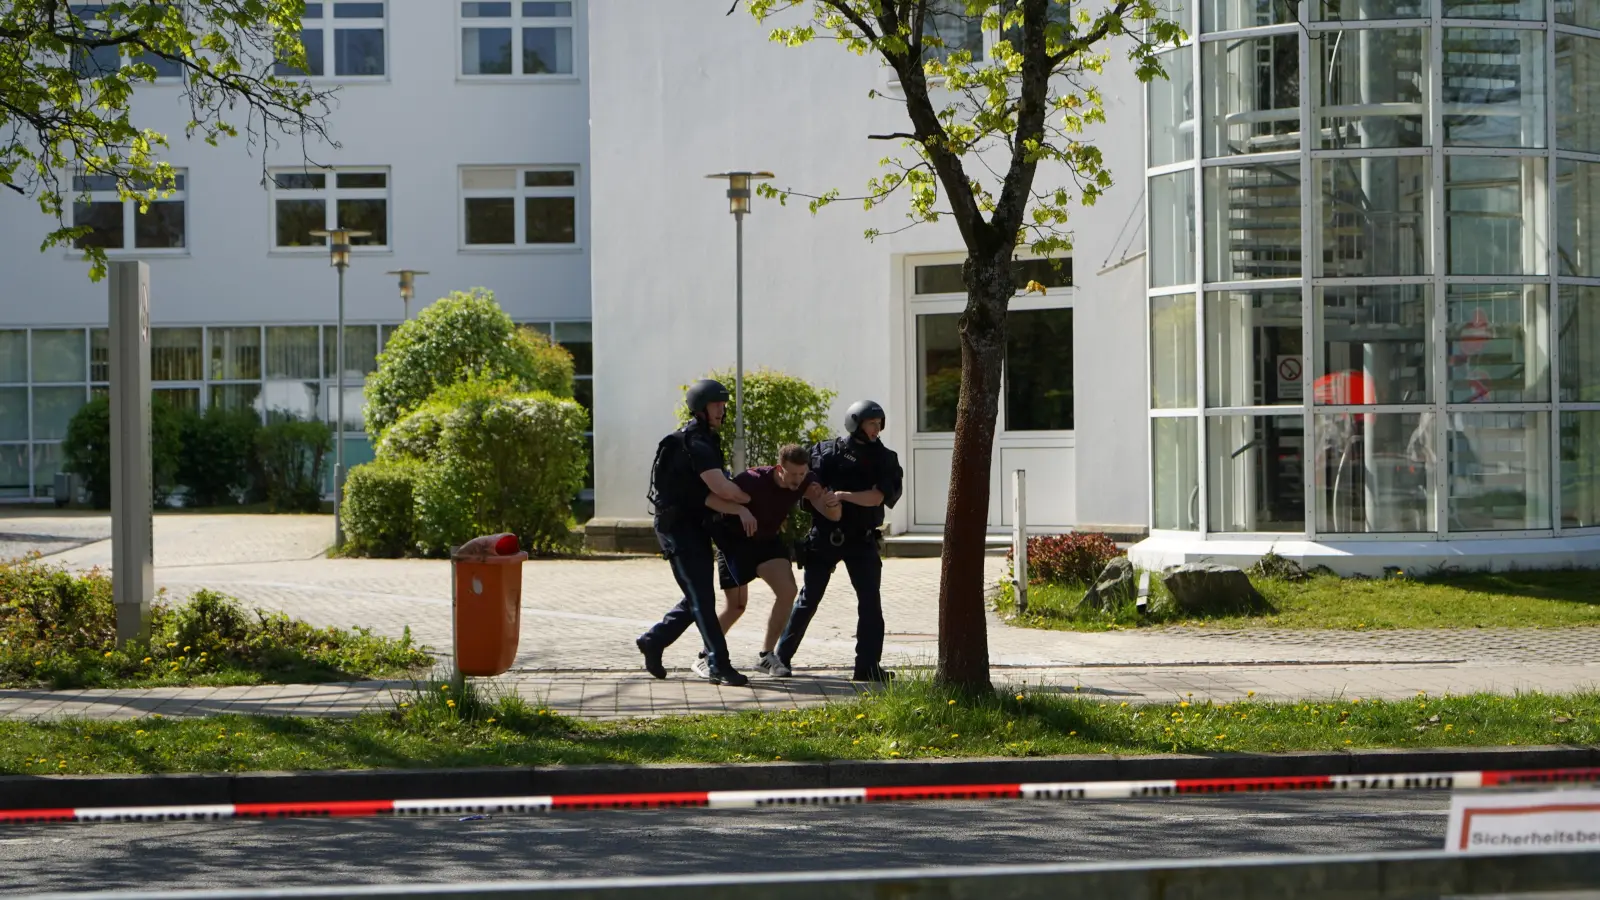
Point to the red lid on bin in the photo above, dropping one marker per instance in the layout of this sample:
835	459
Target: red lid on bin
489	545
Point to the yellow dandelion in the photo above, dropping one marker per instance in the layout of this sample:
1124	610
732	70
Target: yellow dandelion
1449	728
1249	693
958	734
139	732
894	752
1124	704
861	715
450	703
856	741
492	720
108	654
952	703
146	659
1019	696
1184	704
1072	734
187	648
444	687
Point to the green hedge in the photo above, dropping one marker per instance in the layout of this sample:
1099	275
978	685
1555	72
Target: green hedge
291	453
87	449
380	507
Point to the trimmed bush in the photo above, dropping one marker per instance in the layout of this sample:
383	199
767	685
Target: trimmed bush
380	507
217	459
1074	558
493	459
87	449
291	453
462	336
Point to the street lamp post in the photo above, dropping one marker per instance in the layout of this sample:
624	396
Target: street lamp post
408	286
339	255
739	205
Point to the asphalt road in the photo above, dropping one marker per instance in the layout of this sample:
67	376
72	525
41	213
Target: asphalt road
243	854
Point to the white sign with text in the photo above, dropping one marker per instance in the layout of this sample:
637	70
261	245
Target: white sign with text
1524	821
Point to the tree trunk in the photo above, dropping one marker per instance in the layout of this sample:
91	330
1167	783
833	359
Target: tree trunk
963	626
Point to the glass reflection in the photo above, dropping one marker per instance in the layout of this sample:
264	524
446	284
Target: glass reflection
1374	472
1499	471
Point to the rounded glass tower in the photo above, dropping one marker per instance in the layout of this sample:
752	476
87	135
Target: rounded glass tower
1374	278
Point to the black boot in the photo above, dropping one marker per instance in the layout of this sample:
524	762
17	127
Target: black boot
652	657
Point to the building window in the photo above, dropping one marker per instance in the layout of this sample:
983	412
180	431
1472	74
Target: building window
96	62
307	201
118	224
945	278
526	39
354	30
947	29
508	207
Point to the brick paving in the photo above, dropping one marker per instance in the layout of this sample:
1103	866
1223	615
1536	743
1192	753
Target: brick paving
579	618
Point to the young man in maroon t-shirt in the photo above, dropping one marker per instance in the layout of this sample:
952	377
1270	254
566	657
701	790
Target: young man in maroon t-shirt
751	547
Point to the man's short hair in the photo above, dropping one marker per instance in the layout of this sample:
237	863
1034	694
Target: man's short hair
794	454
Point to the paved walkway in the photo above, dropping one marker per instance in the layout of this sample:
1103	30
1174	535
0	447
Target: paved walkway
580	617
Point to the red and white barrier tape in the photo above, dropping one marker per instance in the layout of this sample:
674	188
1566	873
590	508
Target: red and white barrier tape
1085	790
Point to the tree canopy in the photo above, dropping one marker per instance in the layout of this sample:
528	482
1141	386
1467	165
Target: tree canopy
68	72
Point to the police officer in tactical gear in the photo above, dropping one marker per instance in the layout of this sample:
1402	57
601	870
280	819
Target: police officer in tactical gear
687	483
866	477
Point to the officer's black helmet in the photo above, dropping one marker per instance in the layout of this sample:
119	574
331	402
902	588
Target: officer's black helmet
704	393
861	411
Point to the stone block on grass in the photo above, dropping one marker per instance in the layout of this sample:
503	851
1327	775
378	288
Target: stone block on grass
1212	589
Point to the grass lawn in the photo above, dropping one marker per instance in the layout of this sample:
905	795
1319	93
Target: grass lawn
1530	599
910	719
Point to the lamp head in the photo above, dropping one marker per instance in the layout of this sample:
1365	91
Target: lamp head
339	244
739	188
408	284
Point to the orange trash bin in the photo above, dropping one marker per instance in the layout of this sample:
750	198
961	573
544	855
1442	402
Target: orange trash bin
486	602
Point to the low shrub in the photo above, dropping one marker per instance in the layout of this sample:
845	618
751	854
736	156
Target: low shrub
59	628
291	452
380	507
1076	557
496	459
217	457
87	449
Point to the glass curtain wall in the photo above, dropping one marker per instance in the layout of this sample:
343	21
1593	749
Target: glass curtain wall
48	374
1387	325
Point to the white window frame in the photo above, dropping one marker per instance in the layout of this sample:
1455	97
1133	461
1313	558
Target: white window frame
130	213
330	195
327	26
520	192
517	22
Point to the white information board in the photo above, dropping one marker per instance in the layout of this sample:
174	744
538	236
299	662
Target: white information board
1524	821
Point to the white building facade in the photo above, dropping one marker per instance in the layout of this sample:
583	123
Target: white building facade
463	148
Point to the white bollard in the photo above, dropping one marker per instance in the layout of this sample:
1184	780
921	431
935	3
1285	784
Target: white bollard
1019	539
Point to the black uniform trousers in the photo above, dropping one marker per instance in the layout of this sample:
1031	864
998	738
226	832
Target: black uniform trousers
687	547
859	553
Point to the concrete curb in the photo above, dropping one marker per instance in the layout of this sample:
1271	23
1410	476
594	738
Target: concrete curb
56	791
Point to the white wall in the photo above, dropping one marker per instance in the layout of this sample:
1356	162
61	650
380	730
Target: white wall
680	91
421	122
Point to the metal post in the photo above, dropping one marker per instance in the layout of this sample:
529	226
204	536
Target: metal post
338	433
738	353
1019	540
132	544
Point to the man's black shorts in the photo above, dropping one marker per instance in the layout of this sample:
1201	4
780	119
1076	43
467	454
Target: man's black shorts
747	555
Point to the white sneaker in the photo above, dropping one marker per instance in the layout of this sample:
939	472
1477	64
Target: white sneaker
701	668
772	665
